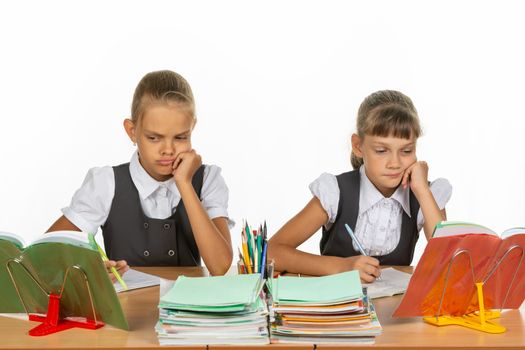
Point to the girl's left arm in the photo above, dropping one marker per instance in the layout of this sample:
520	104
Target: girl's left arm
417	177
211	235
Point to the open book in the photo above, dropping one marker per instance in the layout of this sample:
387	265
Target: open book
456	257
29	272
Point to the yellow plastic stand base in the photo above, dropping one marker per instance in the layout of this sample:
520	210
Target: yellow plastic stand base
476	320
471	321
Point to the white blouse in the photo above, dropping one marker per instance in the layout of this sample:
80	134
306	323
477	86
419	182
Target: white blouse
91	203
378	226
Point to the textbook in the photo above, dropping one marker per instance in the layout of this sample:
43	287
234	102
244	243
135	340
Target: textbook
322	310
459	255
213	310
29	272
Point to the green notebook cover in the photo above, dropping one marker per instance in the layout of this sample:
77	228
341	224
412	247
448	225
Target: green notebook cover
326	289
213	294
48	262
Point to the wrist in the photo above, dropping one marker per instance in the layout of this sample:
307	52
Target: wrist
422	193
184	186
420	189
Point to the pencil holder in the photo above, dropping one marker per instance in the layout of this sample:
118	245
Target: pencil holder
243	269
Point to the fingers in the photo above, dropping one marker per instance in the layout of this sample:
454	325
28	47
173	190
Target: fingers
370	261
110	263
371	270
176	163
183	156
416	175
366	277
368	268
406	175
122	266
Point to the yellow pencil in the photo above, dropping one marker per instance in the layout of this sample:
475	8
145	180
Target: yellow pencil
113	269
246	255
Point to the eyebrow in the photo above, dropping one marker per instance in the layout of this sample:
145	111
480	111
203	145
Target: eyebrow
153	133
379	143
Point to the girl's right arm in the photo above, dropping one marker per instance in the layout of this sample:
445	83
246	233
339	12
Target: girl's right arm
282	247
63	224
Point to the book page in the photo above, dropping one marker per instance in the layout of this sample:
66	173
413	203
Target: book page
392	282
135	279
14	238
453	228
76	238
512	231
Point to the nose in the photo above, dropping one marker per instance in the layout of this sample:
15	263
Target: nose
168	149
393	161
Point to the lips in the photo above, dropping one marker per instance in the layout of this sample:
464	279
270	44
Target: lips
165	162
393	176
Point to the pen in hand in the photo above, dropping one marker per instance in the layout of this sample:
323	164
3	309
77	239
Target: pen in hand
112	268
358	244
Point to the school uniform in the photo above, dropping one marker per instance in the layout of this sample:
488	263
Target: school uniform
387	228
144	221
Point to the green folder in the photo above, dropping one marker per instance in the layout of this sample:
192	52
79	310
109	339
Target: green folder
339	287
47	260
232	293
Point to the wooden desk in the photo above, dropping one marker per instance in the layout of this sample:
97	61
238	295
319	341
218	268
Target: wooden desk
140	307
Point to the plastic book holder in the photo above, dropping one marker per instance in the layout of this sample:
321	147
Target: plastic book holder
478	320
51	323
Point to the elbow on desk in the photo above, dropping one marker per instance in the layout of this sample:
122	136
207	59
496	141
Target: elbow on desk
221	268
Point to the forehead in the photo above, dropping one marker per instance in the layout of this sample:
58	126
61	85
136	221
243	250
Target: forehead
166	117
389	141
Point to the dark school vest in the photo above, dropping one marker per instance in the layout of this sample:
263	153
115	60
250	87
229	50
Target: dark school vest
337	242
142	241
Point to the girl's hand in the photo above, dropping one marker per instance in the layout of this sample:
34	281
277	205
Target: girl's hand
416	176
185	166
367	266
121	266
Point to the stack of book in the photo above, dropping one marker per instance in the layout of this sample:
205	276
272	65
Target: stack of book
322	310
225	310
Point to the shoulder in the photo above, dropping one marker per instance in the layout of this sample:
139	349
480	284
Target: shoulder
326	189
213	184
442	191
100	176
324	182
212	173
441	185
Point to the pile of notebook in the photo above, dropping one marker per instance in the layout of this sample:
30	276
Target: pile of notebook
225	310
322	310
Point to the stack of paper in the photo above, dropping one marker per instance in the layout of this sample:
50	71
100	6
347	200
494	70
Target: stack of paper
214	310
322	310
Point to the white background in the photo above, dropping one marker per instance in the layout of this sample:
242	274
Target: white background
277	86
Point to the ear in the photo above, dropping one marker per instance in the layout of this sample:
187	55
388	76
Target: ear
356	145
130	128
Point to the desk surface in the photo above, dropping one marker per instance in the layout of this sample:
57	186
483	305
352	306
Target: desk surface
140	307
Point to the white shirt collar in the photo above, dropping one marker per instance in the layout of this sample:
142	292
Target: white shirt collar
146	185
369	195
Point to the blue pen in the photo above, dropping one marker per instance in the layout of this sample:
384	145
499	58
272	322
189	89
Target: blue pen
357	243
263	258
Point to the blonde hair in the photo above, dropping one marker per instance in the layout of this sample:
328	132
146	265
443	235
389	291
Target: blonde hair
386	113
165	87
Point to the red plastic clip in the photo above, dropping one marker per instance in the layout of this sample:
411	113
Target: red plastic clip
52	324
